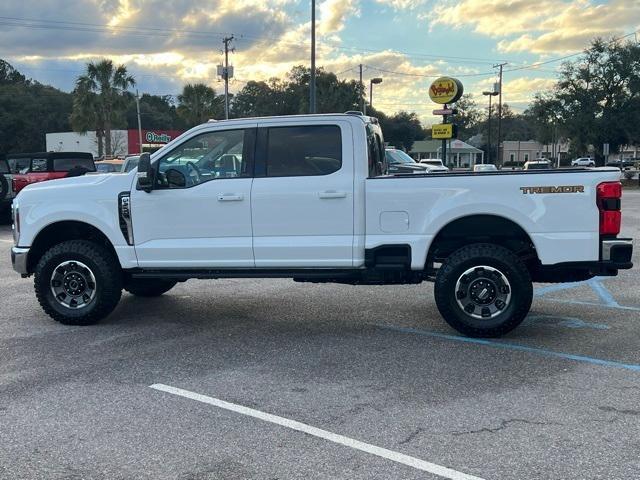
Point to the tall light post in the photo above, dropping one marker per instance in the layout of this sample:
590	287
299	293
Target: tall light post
490	94
373	81
312	81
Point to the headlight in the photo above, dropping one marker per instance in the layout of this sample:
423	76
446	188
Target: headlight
15	215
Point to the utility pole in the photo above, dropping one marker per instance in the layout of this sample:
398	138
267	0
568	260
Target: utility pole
225	74
139	123
500	65
361	91
312	81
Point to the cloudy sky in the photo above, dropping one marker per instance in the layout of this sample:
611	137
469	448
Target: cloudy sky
407	42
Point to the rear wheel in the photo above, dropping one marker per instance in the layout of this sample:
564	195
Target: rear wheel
483	290
149	287
78	282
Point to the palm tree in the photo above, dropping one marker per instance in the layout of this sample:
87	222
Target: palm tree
101	95
198	103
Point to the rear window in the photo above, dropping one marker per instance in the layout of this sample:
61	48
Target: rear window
66	164
304	151
4	166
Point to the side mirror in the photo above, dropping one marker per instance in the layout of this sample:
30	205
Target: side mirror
146	174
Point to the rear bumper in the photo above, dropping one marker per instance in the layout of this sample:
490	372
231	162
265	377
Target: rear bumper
19	260
618	251
615	254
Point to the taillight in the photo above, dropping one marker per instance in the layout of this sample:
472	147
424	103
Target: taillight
608	195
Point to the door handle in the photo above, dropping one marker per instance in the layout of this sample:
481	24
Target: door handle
332	194
230	197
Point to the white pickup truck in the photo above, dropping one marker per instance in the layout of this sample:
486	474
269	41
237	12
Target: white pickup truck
308	197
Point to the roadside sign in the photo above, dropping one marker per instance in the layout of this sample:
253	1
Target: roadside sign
445	90
442	130
445	111
605	149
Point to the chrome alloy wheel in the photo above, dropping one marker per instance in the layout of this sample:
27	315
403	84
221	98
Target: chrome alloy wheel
73	284
483	292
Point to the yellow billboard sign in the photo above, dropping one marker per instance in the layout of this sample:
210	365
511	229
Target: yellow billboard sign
445	90
442	130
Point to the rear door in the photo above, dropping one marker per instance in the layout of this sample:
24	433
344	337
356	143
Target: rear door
302	196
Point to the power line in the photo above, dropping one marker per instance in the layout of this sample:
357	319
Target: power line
162	32
485	74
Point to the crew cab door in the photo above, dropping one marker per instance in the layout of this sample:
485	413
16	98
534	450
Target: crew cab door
302	196
199	211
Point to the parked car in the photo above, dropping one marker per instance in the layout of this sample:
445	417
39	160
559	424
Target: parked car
311	201
436	163
621	164
583	162
109	166
6	187
130	163
484	167
538	164
400	162
28	168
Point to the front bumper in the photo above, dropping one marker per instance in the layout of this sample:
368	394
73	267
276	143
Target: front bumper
19	260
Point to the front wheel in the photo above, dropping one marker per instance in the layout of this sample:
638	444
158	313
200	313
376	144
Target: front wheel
483	290
78	282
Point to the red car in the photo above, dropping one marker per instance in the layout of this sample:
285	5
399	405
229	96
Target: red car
30	168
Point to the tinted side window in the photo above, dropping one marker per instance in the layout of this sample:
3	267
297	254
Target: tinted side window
39	165
66	164
304	151
4	166
19	165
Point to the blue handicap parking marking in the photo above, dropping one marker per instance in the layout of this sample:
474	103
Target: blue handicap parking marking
499	344
606	297
567	322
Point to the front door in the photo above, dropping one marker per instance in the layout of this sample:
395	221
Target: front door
199	212
302	196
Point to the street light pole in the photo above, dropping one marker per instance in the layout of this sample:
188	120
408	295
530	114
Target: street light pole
312	81
373	81
490	94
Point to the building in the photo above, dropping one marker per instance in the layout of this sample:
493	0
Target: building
515	153
123	142
459	153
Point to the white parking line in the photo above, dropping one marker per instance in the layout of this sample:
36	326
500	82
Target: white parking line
324	434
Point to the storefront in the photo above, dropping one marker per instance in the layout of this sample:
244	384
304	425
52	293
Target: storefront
152	140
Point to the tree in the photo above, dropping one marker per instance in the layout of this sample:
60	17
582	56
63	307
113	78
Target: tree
103	88
28	110
402	129
156	112
468	117
597	98
198	103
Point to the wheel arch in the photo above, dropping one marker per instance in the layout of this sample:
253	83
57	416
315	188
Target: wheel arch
63	230
482	228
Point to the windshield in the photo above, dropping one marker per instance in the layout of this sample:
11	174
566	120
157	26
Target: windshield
538	166
398	156
131	163
435	163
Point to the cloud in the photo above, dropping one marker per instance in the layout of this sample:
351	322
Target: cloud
333	14
541	26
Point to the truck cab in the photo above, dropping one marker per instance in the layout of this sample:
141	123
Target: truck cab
309	197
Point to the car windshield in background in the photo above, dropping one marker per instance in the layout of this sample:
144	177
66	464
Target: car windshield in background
66	164
106	168
484	168
398	156
130	163
539	166
19	165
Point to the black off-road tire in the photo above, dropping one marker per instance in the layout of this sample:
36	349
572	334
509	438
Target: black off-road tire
496	257
108	281
149	287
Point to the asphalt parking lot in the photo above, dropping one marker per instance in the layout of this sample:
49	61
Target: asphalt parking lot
271	379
